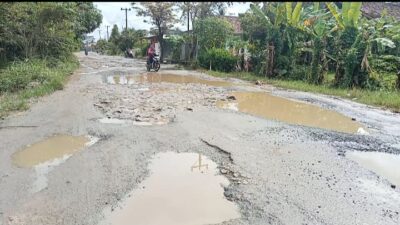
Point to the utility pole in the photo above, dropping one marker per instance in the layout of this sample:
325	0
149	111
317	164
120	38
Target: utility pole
188	15
99	35
126	17
107	32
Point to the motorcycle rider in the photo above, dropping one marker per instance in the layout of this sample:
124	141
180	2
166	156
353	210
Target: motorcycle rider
151	53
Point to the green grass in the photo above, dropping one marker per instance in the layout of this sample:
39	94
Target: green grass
23	81
389	99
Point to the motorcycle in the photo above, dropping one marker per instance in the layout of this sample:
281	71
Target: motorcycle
155	65
129	53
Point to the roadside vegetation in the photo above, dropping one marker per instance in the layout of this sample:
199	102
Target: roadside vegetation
119	42
327	48
37	41
382	98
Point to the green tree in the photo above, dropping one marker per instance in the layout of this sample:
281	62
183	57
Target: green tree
88	18
193	11
128	38
44	29
161	15
213	32
200	10
114	34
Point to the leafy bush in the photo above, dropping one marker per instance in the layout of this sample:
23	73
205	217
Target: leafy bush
220	59
141	49
258	63
50	29
28	74
113	49
386	63
213	32
299	72
175	42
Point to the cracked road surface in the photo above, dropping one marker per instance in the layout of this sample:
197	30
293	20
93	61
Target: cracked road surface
278	173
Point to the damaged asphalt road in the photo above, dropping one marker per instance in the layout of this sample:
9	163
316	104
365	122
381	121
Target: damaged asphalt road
278	173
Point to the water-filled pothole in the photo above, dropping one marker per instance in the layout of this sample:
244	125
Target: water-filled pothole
384	164
159	77
293	112
49	149
183	188
43	156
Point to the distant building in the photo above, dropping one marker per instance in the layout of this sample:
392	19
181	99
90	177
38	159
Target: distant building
235	21
375	9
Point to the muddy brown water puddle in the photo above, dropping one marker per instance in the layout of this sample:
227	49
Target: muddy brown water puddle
277	108
52	148
182	189
44	155
384	164
158	78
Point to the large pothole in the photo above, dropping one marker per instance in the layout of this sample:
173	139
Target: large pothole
45	155
384	164
183	188
293	112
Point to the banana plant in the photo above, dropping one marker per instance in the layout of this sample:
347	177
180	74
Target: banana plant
293	16
257	11
319	29
278	12
350	15
376	32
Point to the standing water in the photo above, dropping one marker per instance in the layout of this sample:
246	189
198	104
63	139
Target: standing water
293	112
383	164
183	189
49	149
45	155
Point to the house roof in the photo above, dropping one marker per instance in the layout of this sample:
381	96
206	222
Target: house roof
234	20
374	9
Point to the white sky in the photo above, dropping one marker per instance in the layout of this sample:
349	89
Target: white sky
112	14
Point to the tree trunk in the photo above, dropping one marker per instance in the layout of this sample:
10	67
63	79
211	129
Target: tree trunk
161	51
161	42
398	81
270	59
193	46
